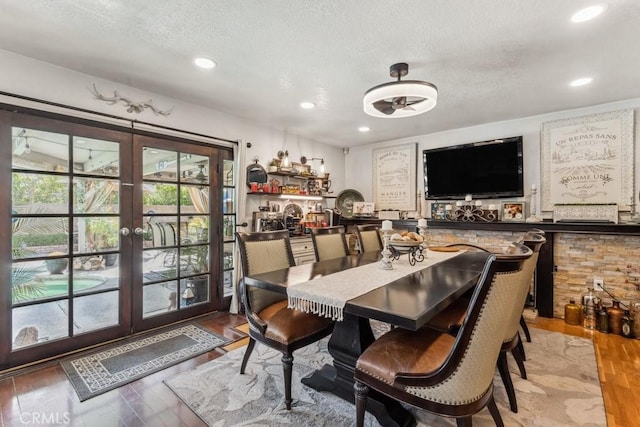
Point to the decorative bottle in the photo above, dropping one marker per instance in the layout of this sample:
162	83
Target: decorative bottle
627	325
590	304
572	313
602	324
635	315
615	314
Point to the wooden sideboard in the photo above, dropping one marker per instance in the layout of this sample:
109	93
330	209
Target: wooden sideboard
550	254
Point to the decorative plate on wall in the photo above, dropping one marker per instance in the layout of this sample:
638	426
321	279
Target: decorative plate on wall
345	201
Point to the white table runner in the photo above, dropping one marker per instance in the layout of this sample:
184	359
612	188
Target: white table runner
327	295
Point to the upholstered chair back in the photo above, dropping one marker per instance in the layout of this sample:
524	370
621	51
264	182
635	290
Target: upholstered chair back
329	242
261	253
369	238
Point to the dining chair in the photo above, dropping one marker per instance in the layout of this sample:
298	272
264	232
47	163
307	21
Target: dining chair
523	323
329	242
450	319
448	375
271	322
369	239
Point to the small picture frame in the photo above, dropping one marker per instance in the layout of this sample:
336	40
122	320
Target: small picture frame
438	211
513	211
363	209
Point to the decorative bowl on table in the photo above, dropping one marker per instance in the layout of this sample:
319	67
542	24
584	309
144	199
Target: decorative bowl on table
404	245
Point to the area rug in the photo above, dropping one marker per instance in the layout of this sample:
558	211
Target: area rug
562	390
119	364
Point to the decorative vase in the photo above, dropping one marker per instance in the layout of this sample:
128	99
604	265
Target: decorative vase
635	315
615	314
572	313
590	304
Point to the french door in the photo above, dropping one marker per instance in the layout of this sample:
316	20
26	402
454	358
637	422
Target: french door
105	233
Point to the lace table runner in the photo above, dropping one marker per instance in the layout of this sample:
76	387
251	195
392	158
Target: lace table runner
327	295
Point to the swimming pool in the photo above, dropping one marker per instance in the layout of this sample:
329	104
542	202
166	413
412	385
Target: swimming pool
56	287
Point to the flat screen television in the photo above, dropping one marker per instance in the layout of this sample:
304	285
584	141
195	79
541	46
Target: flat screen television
486	170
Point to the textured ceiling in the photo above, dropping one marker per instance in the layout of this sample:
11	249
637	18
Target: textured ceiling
492	60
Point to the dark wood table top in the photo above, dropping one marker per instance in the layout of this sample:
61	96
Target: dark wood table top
409	302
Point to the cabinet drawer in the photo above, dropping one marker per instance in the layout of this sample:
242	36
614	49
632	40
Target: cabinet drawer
302	248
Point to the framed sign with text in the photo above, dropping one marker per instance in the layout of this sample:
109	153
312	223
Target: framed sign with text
394	177
588	160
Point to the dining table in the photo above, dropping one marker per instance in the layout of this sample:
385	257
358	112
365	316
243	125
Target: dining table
405	297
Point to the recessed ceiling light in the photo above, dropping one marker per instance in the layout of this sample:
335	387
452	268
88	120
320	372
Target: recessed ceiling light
307	105
203	62
587	13
364	129
581	82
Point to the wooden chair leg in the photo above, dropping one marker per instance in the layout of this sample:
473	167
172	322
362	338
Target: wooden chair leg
521	347
525	328
495	413
519	361
361	391
464	422
503	368
287	365
247	353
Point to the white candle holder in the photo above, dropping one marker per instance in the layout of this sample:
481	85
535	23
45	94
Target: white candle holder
422	230
385	262
533	217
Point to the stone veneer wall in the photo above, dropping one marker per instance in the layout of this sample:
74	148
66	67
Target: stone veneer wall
581	257
578	259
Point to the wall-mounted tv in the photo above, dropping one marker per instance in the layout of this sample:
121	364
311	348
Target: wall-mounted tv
486	170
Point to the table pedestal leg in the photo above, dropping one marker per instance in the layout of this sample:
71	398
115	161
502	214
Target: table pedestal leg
349	339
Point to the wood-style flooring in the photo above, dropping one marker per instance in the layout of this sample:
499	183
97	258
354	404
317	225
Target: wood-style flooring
43	393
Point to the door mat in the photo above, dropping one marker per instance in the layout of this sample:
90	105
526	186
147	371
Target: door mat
122	363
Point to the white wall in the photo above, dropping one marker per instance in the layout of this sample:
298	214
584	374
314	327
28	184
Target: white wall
27	77
359	160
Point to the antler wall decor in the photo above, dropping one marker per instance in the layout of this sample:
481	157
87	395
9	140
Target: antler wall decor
132	107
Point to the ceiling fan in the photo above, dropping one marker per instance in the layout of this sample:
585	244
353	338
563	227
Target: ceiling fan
200	176
402	98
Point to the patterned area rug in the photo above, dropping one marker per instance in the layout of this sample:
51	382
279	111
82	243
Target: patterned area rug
106	369
562	390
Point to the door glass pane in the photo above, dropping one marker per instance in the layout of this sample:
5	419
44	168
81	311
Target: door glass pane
34	324
160	165
96	157
39	150
229	227
39	193
194	199
194	259
194	169
228	176
96	234
159	198
92	195
194	290
39	236
228	201
159	298
97	311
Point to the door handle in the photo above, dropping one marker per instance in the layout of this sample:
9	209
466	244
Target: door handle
138	231
124	231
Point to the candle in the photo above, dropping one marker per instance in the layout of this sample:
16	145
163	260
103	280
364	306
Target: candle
422	222
387	225
492	207
447	207
458	203
478	202
467	198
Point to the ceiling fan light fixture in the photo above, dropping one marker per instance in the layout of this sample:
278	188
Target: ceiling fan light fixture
402	98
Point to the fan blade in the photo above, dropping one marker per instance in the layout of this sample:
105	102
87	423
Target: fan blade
384	107
399	103
409	107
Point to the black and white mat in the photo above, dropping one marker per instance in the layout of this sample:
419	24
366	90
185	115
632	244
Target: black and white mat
119	364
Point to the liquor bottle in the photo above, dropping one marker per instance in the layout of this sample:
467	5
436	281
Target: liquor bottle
572	313
627	325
